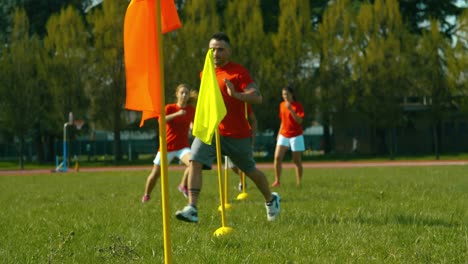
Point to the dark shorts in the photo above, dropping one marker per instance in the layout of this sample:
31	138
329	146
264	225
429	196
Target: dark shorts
238	150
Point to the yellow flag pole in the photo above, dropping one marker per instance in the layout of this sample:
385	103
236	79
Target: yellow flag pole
227	205
226	174
224	229
163	145
243	195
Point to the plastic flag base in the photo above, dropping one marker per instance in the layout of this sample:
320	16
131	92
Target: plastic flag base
226	206
222	231
242	196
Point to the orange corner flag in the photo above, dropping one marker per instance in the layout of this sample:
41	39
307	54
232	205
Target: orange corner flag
210	109
143	72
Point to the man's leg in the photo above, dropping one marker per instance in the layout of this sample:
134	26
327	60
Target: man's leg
260	180
272	200
194	181
190	212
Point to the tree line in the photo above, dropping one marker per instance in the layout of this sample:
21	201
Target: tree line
341	57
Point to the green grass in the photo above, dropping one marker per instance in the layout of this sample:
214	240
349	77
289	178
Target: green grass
351	215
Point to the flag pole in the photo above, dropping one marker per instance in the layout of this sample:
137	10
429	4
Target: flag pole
224	229
227	205
163	143
243	195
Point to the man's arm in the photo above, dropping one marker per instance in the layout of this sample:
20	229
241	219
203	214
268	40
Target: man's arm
251	94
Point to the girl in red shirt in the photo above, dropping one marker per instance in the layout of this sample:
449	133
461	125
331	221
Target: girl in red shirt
290	135
179	118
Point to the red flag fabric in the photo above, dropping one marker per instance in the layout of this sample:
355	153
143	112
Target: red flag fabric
141	40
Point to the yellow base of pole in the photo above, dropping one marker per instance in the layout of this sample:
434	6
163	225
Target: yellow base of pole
242	196
222	231
226	206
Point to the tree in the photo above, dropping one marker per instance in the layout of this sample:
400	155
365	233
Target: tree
66	45
250	44
415	13
458	64
21	99
437	62
381	67
335	48
40	11
106	86
290	63
37	11
185	49
270	11
418	13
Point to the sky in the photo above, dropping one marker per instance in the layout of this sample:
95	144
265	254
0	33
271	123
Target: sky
94	3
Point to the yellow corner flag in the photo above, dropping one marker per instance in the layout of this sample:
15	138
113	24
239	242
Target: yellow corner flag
210	105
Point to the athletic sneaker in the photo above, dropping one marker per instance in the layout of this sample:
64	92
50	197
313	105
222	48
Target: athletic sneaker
273	207
145	198
188	214
183	190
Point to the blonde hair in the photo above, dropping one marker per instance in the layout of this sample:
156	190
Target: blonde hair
193	94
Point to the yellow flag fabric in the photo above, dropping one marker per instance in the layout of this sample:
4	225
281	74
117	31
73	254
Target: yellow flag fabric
210	109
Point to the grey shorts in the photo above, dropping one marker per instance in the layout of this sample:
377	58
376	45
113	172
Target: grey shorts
238	150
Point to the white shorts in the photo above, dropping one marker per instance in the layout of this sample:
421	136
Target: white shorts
171	155
295	143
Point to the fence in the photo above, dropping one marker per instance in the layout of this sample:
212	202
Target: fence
131	149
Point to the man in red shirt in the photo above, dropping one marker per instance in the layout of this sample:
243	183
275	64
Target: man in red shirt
237	88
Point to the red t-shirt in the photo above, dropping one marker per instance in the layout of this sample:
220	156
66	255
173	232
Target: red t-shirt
178	128
289	126
234	124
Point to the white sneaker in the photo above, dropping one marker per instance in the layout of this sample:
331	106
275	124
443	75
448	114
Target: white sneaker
188	214
273	207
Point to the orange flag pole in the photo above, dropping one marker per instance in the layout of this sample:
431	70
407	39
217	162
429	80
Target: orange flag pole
144	24
163	144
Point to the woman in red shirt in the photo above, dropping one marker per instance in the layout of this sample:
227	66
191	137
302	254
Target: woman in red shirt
290	135
179	117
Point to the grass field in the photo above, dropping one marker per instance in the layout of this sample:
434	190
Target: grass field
349	215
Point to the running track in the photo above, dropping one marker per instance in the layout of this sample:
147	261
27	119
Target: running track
330	164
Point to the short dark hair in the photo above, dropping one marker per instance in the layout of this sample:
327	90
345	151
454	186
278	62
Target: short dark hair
221	36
